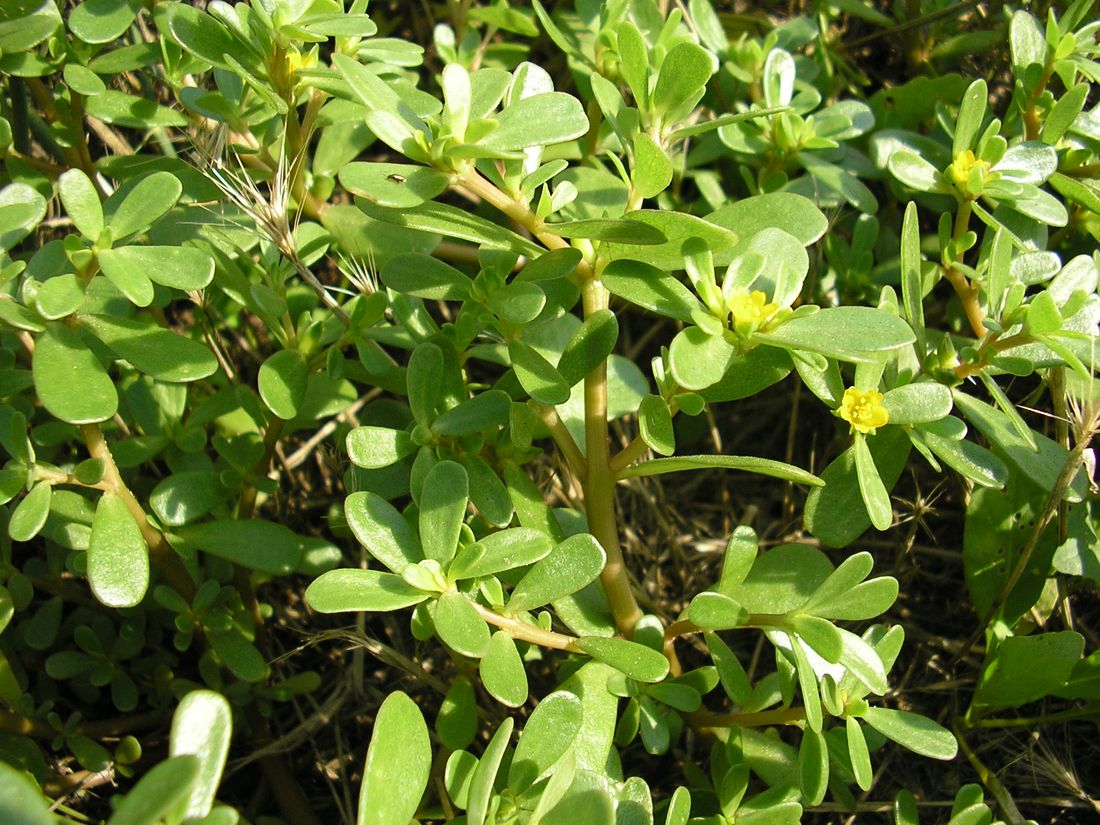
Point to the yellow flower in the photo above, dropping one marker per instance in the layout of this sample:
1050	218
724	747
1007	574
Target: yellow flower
863	409
750	310
960	169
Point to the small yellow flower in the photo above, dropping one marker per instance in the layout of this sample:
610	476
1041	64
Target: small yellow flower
863	409
750	310
960	169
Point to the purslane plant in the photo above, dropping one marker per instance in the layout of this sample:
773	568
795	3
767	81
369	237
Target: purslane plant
165	340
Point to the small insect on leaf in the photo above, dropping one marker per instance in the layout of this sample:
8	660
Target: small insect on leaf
396	178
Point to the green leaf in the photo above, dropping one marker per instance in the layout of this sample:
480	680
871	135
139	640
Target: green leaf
735	682
424	378
782	580
794	214
130	279
487	409
605	229
807	683
871	489
71	383
699	360
186	496
652	172
537	376
850	333
682	78
655	425
398	764
834	513
444	219
101	21
518	302
637	661
252	543
917	403
589	346
679	806
912	282
423	276
634	62
813	767
539	120
21	803
716	611
915	172
651	288
118	558
677	227
841	180
821	635
968	459
1011	678
396	185
456	724
202	727
152	349
135	209
370	591
382	530
443	502
502	671
751	464
179	267
202	35
29	516
1042	466
459	626
133	112
501	551
81	202
913	731
282	382
857	753
481	785
375	447
968	125
778	78
550	730
163	793
570	566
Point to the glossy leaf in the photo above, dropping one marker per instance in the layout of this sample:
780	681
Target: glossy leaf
751	464
164	355
570	566
370	591
459	626
502	671
282	382
382	530
70	381
910	730
637	661
397	185
81	202
29	516
548	733
202	726
254	543
163	793
21	803
374	447
443	502
118	558
501	551
539	120
398	763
